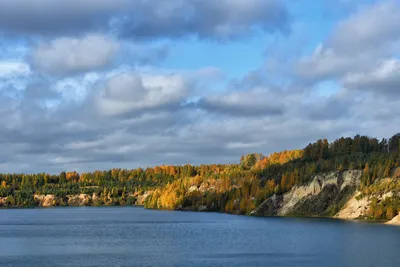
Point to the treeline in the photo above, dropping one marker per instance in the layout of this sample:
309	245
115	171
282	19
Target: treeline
233	188
260	177
358	153
116	185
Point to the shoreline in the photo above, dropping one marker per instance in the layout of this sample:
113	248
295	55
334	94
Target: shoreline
378	222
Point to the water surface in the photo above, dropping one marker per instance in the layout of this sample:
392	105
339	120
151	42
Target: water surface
133	236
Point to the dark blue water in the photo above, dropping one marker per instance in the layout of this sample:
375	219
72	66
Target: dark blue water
132	236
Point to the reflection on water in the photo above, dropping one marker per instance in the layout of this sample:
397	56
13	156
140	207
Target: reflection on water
132	236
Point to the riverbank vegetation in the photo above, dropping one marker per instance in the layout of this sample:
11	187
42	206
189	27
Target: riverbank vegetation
233	188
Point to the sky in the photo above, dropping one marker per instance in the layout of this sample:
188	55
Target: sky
98	84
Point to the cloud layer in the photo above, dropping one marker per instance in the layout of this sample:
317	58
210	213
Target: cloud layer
73	55
97	84
139	19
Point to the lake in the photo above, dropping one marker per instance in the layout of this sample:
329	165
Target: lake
133	236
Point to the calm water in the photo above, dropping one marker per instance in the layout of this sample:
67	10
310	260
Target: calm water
133	236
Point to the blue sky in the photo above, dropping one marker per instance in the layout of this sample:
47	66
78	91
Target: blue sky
99	84
237	58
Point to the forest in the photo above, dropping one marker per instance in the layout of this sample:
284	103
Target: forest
232	188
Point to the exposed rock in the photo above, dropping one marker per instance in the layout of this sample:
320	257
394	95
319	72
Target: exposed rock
79	200
142	198
269	207
45	200
193	188
395	220
203	188
316	204
324	195
3	201
356	207
387	195
351	178
295	195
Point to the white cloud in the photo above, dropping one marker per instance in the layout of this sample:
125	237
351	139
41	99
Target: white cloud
384	77
369	29
73	55
367	36
325	63
254	102
134	92
129	116
13	69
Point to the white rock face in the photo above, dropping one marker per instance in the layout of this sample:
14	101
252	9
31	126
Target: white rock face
354	208
351	178
193	188
45	200
387	195
142	198
3	201
299	193
395	220
295	195
78	200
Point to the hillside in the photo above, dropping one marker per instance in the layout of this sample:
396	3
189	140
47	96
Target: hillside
351	178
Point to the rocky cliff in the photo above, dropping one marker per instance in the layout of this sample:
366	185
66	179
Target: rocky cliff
394	221
84	200
337	195
334	194
357	207
324	196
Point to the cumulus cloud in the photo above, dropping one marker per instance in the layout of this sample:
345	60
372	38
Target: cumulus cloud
73	55
133	92
356	43
256	102
12	69
384	78
325	63
331	108
152	127
371	28
88	113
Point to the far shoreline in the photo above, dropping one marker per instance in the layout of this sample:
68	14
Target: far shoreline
376	222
